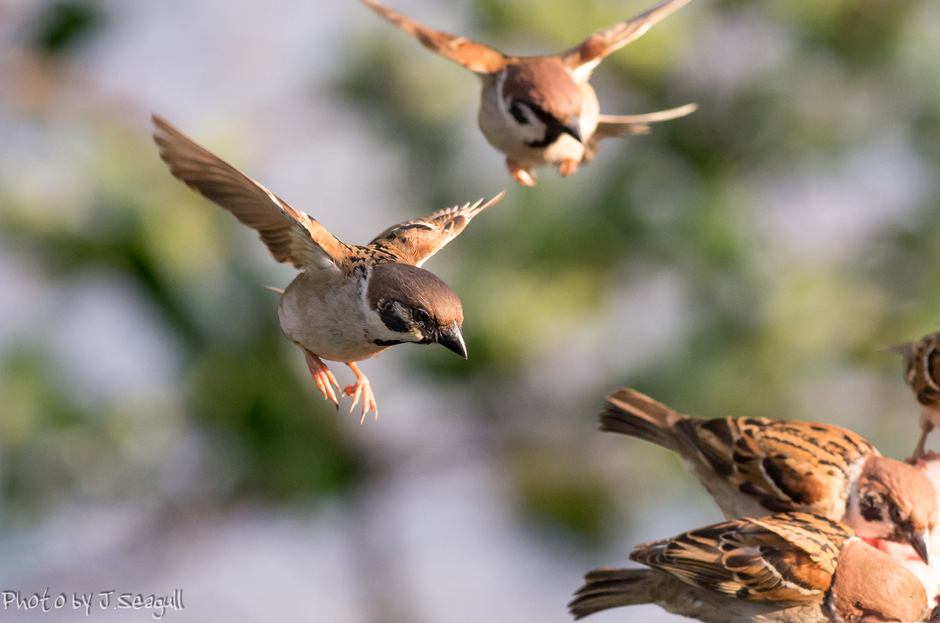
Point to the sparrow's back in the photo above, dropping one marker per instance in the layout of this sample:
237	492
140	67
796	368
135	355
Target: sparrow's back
751	466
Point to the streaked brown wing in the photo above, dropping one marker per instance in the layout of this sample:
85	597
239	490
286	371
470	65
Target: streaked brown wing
474	56
289	234
415	241
787	465
592	50
787	557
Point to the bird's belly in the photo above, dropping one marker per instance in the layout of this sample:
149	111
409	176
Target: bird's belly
326	321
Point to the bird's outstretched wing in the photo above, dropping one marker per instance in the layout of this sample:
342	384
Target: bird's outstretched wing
415	241
583	58
290	235
474	56
786	557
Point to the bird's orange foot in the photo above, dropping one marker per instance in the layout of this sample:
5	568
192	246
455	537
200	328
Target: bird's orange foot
567	167
363	389
520	173
322	375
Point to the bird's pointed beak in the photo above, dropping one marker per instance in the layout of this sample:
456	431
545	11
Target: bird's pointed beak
574	129
921	545
452	339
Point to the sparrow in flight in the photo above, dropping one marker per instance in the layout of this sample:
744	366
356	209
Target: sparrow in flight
922	375
757	466
540	110
785	568
349	302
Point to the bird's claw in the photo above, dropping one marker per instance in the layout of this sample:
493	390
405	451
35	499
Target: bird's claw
322	377
361	388
567	167
520	173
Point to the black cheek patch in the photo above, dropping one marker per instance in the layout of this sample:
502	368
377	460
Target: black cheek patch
390	319
553	127
868	510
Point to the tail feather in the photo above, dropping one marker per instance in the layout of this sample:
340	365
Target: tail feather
631	413
611	588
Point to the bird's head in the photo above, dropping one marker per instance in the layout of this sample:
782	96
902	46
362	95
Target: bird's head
410	304
543	99
895	502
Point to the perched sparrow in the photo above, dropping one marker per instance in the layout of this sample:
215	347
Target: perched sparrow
786	568
929	575
348	303
922	374
540	110
755	466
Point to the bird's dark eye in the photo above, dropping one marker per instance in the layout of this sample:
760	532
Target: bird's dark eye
896	516
421	315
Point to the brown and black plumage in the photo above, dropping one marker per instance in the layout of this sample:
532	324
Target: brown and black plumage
758	466
921	369
785	568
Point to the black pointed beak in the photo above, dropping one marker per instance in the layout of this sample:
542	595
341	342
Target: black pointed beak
920	545
573	129
452	339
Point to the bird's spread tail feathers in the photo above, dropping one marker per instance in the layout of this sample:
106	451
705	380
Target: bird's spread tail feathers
611	588
631	413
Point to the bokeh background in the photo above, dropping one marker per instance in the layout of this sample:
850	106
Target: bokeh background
157	432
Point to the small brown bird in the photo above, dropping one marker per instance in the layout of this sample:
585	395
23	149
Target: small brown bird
349	302
922	374
540	110
756	466
786	568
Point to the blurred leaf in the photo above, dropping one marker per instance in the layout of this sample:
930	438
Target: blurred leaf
62	26
560	490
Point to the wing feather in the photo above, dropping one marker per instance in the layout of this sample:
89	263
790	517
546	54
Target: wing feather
415	241
290	235
474	56
786	557
583	58
787	465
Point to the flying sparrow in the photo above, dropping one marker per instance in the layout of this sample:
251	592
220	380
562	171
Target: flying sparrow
756	466
540	110
349	302
922	374
786	568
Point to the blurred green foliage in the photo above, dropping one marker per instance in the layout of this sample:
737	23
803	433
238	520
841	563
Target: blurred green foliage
63	25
